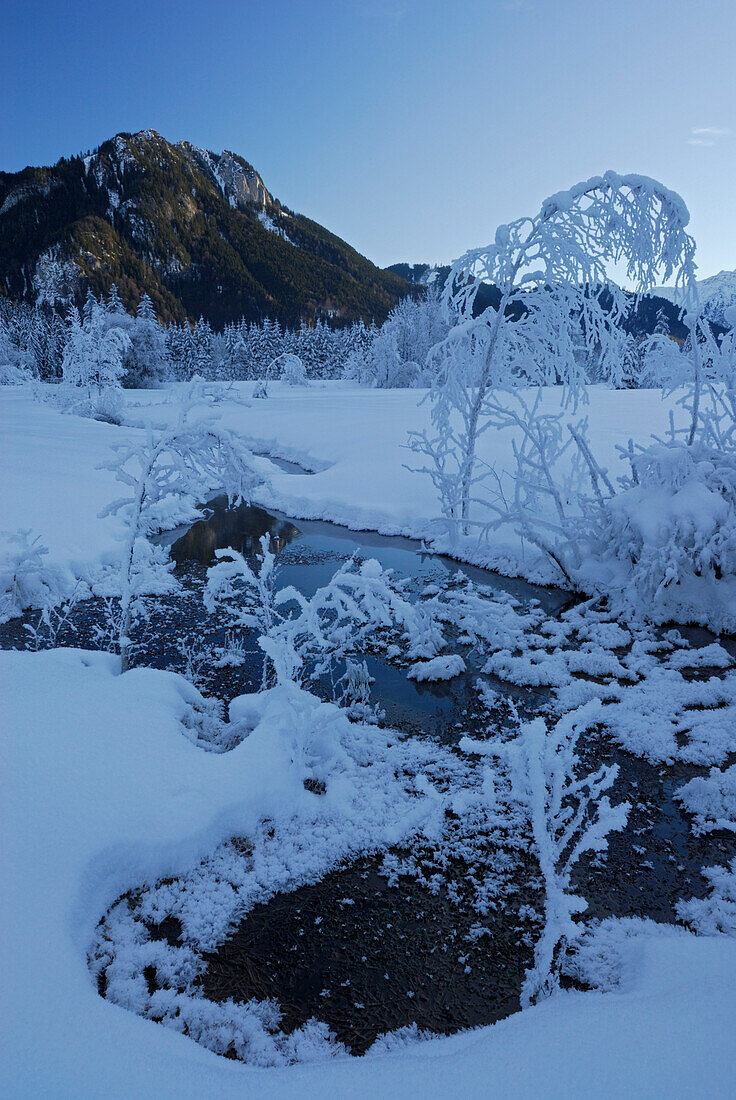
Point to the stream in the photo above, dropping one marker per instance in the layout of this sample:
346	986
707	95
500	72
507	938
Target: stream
394	940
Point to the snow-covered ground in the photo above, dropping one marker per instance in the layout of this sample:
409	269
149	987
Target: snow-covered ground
106	791
354	439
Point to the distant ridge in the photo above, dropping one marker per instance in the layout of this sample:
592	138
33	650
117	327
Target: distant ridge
717	294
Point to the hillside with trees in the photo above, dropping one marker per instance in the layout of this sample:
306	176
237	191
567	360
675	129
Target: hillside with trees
198	232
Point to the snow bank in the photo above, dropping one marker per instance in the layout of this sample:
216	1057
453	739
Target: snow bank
52	487
354	439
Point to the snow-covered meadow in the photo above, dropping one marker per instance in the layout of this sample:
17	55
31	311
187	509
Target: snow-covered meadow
351	442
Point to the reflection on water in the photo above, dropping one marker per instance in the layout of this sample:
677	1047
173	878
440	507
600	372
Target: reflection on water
240	528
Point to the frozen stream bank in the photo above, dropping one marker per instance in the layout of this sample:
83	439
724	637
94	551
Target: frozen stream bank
436	932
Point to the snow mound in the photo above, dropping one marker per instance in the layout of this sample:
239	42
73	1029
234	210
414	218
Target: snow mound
439	668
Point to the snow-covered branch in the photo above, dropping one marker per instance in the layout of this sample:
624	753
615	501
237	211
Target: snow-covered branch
176	466
568	813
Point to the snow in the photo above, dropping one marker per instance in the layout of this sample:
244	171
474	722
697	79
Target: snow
352	439
107	794
717	295
712	800
438	668
268	223
110	790
50	484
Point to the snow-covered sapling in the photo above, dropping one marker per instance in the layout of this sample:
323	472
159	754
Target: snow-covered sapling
353	692
291	369
165	471
299	634
247	595
273	370
569	814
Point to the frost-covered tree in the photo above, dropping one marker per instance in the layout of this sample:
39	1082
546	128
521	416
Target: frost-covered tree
55	279
167	473
114	302
94	356
246	350
702	373
397	355
147	359
32	341
551	270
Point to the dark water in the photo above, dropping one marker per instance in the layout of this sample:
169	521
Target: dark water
315	543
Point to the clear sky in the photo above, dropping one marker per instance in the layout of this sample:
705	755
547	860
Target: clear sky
409	127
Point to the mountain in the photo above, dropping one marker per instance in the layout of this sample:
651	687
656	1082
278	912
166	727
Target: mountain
198	231
717	294
649	311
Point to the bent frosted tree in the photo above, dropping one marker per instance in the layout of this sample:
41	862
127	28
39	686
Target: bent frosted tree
551	271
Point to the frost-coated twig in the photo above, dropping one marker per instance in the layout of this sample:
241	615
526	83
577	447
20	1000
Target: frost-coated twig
569	814
186	461
596	471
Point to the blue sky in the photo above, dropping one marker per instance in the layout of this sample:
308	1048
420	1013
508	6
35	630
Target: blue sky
409	127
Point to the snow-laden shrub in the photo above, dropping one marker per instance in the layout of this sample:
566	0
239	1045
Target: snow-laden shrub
715	914
291	370
105	405
26	580
12	372
301	636
164	474
672	532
